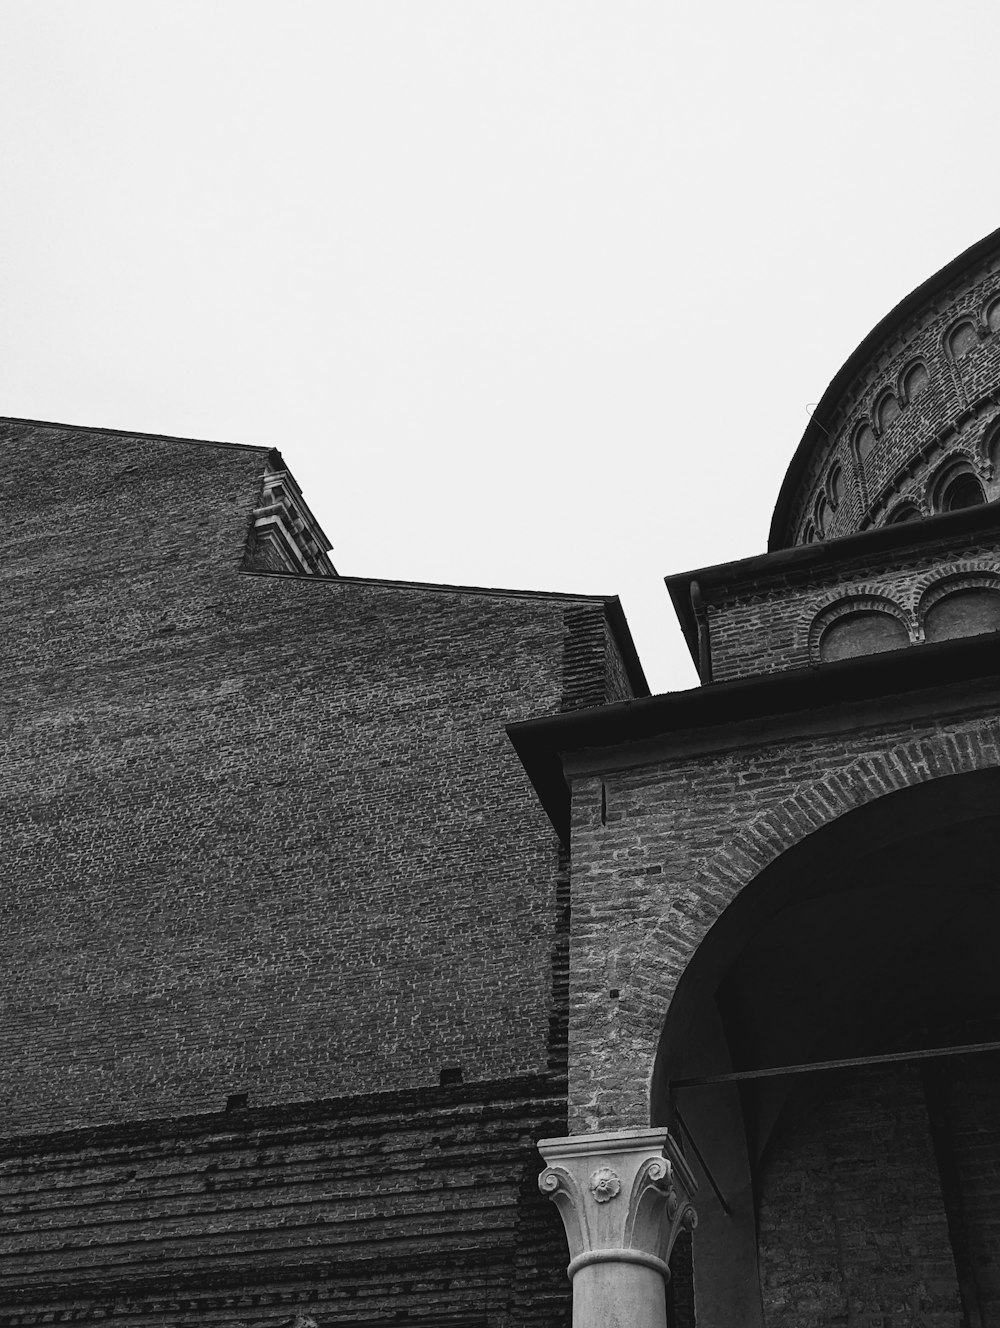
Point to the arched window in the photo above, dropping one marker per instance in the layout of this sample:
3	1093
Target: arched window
967	612
955	486
864	441
866	632
809	534
822	516
963	490
886	411
961	339
903	513
993	316
993	452
835	486
914	380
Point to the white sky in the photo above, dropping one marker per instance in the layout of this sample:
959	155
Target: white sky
530	293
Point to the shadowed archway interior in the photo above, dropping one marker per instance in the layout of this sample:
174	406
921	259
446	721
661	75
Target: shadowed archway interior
874	936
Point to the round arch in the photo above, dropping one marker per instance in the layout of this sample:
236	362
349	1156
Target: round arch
873	935
934	806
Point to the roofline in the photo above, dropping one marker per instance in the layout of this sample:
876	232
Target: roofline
614	612
543	743
815	430
798	561
393	584
622	634
612	604
265	448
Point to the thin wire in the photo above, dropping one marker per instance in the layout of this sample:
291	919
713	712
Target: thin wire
889	1058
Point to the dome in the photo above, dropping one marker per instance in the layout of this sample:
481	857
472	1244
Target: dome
910	426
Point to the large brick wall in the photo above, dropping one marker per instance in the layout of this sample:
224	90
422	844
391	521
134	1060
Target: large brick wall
852	1226
421	1206
264	835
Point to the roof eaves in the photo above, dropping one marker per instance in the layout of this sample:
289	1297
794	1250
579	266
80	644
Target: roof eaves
542	743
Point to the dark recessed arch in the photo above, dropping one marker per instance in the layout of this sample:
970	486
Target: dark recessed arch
906	511
815	866
872	935
955	485
835	485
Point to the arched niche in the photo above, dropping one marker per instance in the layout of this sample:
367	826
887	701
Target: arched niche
956	486
961	339
907	511
914	379
864	441
871	937
835	485
966	611
860	631
963	491
886	411
991	452
821	516
992	318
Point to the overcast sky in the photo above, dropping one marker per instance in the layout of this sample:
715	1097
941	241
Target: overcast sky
530	293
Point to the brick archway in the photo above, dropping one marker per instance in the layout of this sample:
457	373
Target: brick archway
614	1047
871	935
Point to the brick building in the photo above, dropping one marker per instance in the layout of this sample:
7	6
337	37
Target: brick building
797	864
284	926
325	899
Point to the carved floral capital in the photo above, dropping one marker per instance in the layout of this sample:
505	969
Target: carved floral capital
623	1195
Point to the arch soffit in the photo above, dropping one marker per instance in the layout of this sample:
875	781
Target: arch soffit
842	804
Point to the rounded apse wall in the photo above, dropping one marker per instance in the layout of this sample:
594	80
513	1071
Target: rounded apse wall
910	426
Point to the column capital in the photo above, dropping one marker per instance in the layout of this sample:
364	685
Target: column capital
623	1196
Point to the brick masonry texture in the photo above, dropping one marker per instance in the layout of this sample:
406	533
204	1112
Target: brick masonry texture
852	1228
953	418
679	839
266	835
768	627
337	1210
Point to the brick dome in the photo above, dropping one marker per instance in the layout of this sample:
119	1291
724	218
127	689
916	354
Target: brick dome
910	426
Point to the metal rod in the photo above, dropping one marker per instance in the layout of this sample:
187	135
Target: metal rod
702	1163
889	1058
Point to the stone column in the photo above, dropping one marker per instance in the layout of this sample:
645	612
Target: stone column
623	1196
